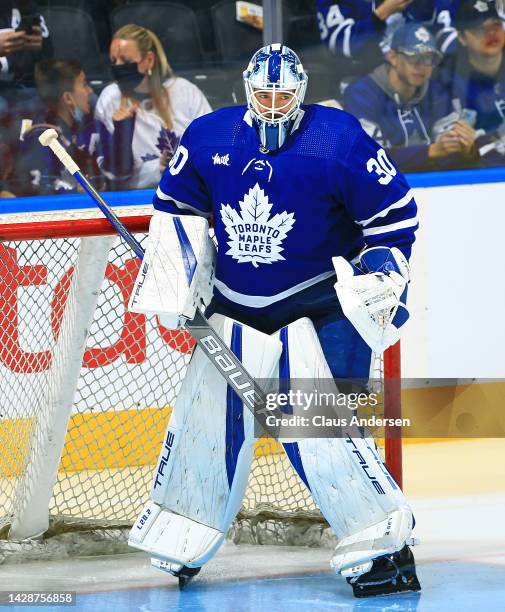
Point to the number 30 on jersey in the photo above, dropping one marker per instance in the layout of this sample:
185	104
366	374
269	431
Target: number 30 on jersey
177	162
382	166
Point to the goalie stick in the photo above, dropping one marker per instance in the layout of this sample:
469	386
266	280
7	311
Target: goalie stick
199	327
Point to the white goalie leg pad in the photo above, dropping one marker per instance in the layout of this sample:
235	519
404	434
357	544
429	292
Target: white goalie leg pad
204	464
177	272
353	555
349	482
165	566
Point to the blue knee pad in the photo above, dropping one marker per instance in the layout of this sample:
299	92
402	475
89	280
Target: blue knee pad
347	354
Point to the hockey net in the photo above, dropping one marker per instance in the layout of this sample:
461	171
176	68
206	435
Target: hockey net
108	401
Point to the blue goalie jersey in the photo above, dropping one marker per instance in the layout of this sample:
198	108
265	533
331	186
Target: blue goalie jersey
280	217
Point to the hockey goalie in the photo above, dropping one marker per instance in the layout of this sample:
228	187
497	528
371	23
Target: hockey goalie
314	227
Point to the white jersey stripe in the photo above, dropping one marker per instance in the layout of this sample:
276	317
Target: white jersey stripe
332	42
398	204
447	42
386	229
298	120
182	205
260	301
248	118
347	41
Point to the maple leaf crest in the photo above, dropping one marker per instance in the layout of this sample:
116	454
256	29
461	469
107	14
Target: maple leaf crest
254	236
167	143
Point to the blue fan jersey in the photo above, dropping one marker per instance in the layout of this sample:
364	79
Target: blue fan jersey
477	91
351	29
407	128
280	217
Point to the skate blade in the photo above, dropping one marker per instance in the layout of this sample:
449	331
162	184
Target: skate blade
185	579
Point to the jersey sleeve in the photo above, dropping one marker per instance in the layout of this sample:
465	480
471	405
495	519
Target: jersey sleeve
378	197
198	103
346	31
115	150
445	33
362	101
21	64
105	107
38	171
182	190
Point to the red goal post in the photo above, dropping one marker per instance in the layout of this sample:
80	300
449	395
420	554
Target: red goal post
98	410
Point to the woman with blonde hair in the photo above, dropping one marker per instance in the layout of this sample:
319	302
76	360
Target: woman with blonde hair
145	111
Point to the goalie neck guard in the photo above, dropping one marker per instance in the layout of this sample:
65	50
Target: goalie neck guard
275	84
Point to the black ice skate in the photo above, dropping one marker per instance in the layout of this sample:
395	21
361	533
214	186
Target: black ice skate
389	574
185	575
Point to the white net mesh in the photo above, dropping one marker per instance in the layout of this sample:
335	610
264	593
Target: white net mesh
130	375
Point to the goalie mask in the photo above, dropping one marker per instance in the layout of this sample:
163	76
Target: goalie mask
275	84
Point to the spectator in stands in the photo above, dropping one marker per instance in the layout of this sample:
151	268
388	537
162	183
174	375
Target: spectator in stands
24	40
356	31
436	15
402	108
476	73
4	193
63	89
146	110
5	169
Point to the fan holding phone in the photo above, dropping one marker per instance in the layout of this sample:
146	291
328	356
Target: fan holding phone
23	38
31	26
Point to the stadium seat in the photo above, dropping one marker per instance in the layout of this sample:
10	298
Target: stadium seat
174	24
235	40
73	36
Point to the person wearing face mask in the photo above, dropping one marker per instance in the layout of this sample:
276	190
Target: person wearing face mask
145	111
65	93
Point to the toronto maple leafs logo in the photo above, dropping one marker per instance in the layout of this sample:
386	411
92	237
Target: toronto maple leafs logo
167	143
500	104
422	34
255	236
481	6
